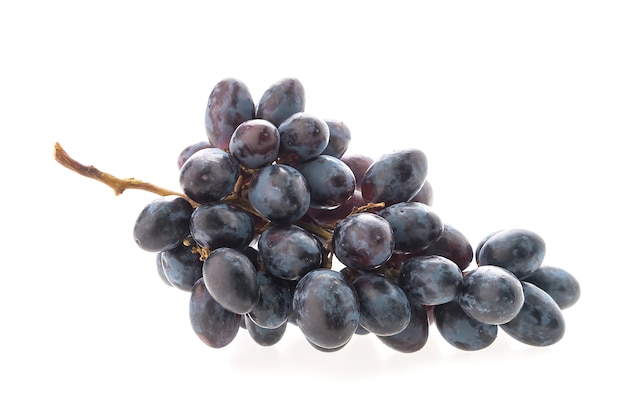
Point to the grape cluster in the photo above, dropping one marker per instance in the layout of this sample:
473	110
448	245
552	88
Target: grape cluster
276	226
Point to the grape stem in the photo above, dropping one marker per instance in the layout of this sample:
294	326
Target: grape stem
119	185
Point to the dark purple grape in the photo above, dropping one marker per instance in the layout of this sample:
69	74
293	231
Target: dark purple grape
160	270
214	325
338	140
482	242
519	251
384	308
452	245
462	331
415	335
230	104
255	143
281	100
363	241
253	255
327	350
491	294
190	150
415	225
209	175
274	305
163	224
326	308
231	279
217	225
539	322
558	283
395	177
328	218
264	336
358	164
182	266
331	182
430	279
289	251
302	136
425	194
279	193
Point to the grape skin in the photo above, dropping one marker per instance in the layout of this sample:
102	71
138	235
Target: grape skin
338	140
558	283
331	182
462	331
255	143
358	164
264	336
452	245
519	251
430	279
190	150
181	266
415	335
275	300
281	100
415	225
209	175
217	225
163	224
302	136
213	324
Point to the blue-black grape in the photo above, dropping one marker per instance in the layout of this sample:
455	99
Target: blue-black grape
338	140
231	279
230	104
213	324
539	322
395	177
452	245
274	305
519	251
281	100
255	143
302	136
264	336
160	270
415	335
331	182
462	331
384	307
217	225
415	225
358	164
330	217
182	266
279	193
326	308
209	175
430	279
190	150
425	195
363	241
289	251
163	224
558	283
491	294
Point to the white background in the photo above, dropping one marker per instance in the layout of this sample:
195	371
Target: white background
519	106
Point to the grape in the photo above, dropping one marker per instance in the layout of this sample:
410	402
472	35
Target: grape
209	175
415	335
395	177
281	100
160	270
358	164
264	336
415	226
491	294
279	193
326	309
302	136
338	139
214	325
190	150
231	279
539	322
329	217
289	252
431	280
384	308
331	182
519	251
452	245
558	283
217	225
462	331
255	143
274	305
425	194
163	224
230	104
363	241
182	266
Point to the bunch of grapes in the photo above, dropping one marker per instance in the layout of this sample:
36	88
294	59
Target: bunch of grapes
276	226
